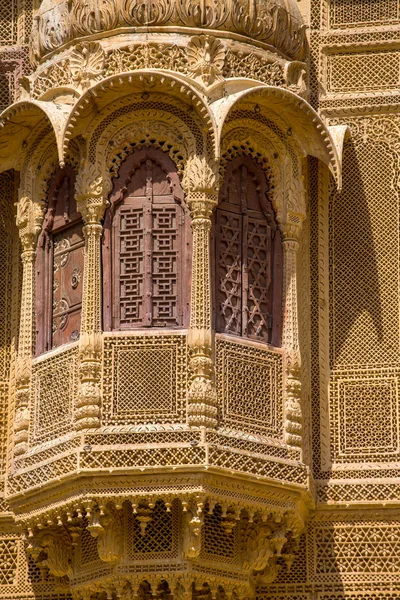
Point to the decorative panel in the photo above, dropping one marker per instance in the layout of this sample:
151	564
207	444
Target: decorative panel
219	542
130	395
364	303
249	386
161	536
362	13
54	385
8	23
59	266
365	414
363	71
358	551
147	250
67	285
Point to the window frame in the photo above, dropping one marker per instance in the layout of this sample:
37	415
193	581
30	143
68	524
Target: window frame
265	191
134	161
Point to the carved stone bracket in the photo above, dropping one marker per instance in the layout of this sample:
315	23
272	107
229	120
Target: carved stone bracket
52	548
106	526
191	532
201	184
91	196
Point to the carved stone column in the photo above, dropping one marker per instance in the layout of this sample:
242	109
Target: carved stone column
91	197
290	334
29	221
201	183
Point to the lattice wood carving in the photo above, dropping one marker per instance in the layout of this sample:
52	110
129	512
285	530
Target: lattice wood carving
248	256
146	250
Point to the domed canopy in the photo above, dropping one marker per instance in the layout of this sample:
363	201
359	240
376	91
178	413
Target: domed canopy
277	24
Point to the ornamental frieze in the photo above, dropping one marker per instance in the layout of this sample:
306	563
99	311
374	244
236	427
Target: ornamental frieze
276	24
206	60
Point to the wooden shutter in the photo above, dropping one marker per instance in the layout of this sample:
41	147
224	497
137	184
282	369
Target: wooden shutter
148	247
248	256
59	267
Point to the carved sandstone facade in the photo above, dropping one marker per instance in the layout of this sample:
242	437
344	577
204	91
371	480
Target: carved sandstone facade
199	357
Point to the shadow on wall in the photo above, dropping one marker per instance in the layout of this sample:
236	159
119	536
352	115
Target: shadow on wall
356	253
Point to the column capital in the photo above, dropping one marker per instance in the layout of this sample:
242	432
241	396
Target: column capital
291	228
29	221
92	188
201	180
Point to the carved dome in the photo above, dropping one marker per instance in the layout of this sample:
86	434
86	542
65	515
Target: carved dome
277	24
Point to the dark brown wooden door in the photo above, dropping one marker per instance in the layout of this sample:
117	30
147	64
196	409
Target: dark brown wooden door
248	256
59	267
67	284
147	246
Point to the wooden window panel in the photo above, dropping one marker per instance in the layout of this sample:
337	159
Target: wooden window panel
67	285
59	267
146	267
248	257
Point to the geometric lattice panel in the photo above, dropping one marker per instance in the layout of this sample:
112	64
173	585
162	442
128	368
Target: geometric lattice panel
8	13
356	552
145	379
365	414
218	542
8	561
363	71
364	244
161	536
360	13
54	387
249	387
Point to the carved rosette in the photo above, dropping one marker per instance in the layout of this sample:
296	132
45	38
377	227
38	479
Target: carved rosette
201	184
86	63
206	58
29	221
91	196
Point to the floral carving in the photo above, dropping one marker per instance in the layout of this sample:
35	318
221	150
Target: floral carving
277	23
86	63
146	12
206	56
106	526
93	16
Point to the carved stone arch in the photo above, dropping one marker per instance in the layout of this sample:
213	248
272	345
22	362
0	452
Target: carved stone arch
243	141
111	98
157	108
143	130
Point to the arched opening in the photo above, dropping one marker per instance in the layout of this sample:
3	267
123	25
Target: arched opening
147	246
248	256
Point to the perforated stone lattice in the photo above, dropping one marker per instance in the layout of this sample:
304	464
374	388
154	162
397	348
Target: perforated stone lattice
130	395
249	386
359	13
55	387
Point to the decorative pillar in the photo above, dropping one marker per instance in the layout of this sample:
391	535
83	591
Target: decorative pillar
201	184
91	198
29	222
290	333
